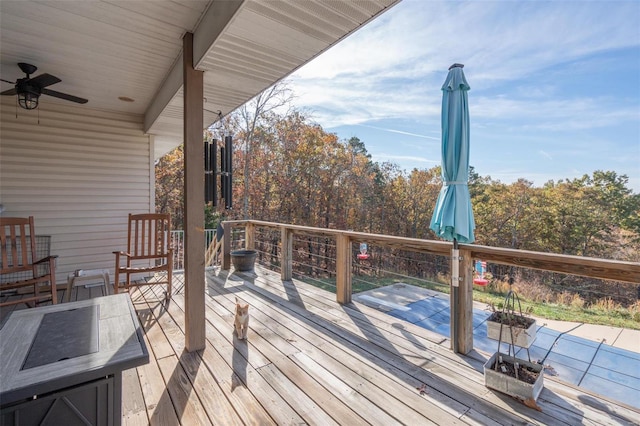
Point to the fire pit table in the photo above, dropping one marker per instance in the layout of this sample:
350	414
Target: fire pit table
64	362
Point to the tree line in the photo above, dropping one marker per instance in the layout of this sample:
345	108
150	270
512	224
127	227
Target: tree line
289	169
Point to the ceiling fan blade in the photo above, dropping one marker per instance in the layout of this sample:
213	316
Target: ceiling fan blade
9	92
7	81
44	80
64	96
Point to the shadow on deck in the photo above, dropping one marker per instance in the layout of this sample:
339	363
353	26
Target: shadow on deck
310	360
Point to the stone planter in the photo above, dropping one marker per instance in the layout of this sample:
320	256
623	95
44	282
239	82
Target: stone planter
243	260
508	384
522	337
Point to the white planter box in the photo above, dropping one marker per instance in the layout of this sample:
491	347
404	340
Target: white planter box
521	337
510	385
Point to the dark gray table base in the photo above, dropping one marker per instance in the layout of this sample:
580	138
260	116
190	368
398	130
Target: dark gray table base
96	403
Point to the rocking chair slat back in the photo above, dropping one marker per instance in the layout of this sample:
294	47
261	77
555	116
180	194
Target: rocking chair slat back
19	265
148	235
148	250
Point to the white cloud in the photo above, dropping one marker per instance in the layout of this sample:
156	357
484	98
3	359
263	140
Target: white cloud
524	62
419	161
545	154
401	132
394	67
554	114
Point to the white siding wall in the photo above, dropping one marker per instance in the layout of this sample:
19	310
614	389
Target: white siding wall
79	172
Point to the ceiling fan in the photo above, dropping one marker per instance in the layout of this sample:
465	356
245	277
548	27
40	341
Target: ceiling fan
29	89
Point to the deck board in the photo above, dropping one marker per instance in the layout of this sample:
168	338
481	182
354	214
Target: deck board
375	349
382	360
310	360
160	410
246	405
260	351
316	339
441	364
186	402
345	364
134	411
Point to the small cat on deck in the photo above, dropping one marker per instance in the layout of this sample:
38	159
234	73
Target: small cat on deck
242	320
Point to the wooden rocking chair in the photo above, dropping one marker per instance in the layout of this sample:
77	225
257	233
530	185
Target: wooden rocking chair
148	251
19	266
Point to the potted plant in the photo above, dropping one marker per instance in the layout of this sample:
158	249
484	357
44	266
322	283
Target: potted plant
513	326
243	260
513	376
505	373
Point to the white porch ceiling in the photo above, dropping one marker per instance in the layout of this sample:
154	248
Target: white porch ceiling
102	50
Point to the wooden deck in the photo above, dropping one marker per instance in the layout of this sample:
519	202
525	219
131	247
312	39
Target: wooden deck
309	360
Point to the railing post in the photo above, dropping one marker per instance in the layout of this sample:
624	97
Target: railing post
465	344
462	308
286	241
250	236
343	268
226	246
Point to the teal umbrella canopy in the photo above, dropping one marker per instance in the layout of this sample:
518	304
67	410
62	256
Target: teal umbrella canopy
453	216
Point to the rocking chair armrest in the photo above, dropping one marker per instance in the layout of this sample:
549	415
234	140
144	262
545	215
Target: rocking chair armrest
45	259
122	253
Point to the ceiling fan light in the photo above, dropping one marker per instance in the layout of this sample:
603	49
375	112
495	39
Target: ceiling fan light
28	100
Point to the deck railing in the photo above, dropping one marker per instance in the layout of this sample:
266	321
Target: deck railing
177	243
341	246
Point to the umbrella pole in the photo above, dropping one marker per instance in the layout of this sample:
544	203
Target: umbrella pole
455	282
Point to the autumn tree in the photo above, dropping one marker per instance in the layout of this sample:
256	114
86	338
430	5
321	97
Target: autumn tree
364	190
169	185
289	169
507	215
585	216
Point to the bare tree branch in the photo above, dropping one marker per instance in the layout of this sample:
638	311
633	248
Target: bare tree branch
251	115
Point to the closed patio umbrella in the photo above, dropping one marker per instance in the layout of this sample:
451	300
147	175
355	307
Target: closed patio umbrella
453	217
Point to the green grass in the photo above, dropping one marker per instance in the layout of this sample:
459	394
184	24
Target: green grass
620	317
590	315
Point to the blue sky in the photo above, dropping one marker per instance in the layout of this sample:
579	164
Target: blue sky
555	86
